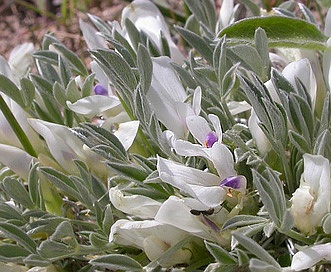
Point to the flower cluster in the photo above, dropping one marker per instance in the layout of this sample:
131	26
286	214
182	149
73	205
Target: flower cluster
211	153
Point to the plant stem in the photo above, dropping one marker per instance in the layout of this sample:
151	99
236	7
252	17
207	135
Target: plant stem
20	134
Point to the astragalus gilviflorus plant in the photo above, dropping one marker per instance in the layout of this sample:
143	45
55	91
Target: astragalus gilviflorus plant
211	153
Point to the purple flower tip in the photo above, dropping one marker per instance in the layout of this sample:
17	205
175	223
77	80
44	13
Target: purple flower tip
100	90
234	182
211	138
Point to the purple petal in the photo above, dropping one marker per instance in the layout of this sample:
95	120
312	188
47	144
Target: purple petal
100	90
234	182
211	138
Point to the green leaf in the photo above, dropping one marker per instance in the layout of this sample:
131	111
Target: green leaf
65	73
33	182
323	144
199	44
61	181
145	68
299	142
261	44
12	253
36	260
9	88
64	233
248	57
243	220
46	56
117	262
281	32
255	249
108	219
221	255
98	241
54	250
256	265
133	33
16	190
204	11
88	85
18	235
76	63
272	194
72	92
27	91
9	212
59	94
130	170
254	8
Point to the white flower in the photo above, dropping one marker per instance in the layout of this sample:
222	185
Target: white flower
152	237
147	18
93	105
168	98
62	143
303	71
210	144
311	201
114	117
16	159
136	205
92	39
20	60
206	187
309	257
262	143
194	217
226	15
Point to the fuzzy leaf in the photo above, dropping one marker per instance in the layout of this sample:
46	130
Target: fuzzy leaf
281	32
255	249
19	236
117	262
221	255
16	190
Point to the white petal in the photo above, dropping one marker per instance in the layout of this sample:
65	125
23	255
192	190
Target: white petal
316	175
302	208
174	212
127	132
262	143
196	104
222	159
303	71
198	127
212	196
100	76
5	68
62	143
16	159
147	18
151	236
216	124
20	60
136	205
93	105
166	80
166	111
310	256
182	176
92	40
226	13
185	148
236	107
